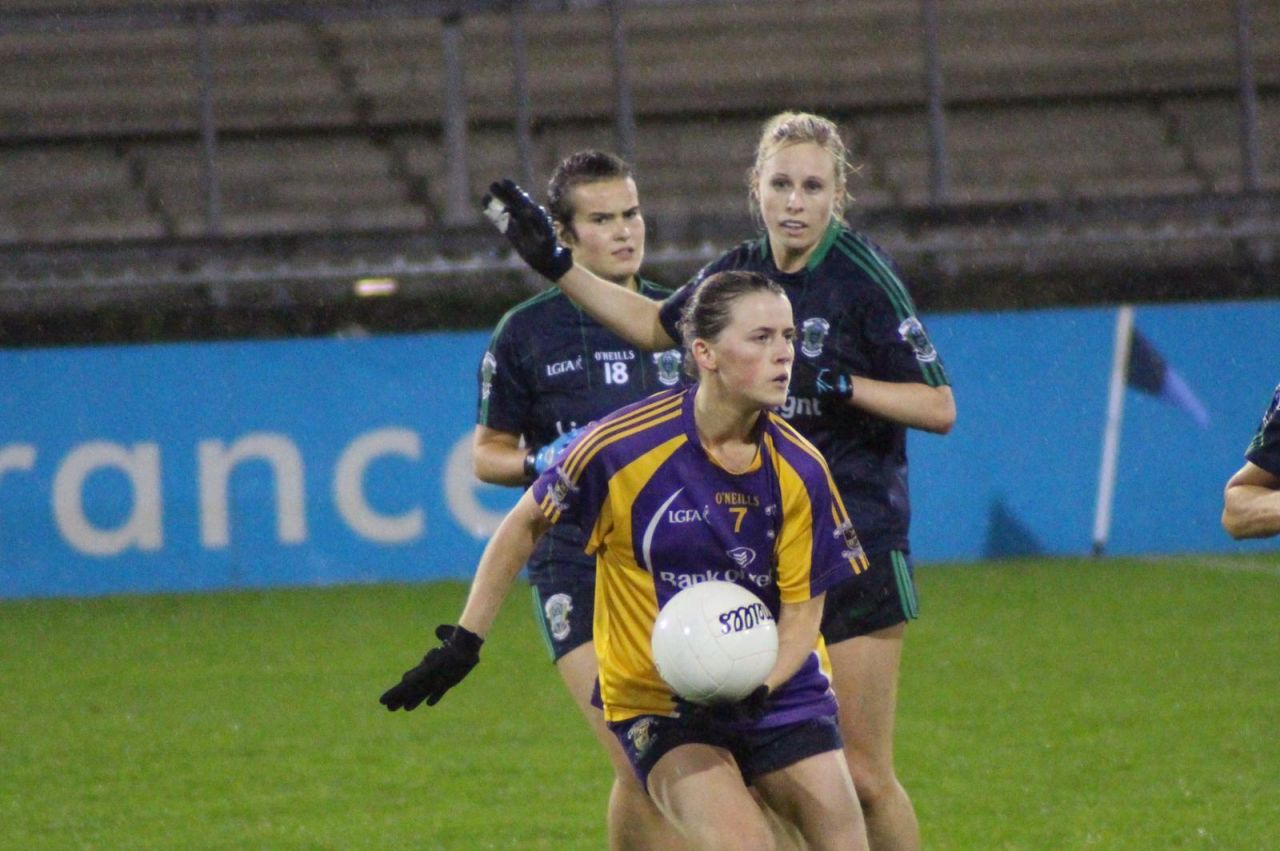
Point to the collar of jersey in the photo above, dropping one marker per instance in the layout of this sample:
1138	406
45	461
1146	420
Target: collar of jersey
819	253
691	432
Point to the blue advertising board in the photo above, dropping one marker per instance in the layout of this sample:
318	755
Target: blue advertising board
251	464
178	467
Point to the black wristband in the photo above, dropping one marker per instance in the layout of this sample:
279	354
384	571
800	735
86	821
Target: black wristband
530	466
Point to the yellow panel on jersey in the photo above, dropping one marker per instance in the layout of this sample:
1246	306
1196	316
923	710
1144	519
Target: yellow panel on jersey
627	675
839	515
662	517
795	544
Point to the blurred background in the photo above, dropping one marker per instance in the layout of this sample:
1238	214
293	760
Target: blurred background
235	167
244	291
285	195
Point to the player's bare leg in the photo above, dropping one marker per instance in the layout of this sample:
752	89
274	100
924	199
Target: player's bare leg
816	795
786	836
634	822
866	682
700	789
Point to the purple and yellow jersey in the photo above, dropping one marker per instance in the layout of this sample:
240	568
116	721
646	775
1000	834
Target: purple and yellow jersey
1264	449
661	515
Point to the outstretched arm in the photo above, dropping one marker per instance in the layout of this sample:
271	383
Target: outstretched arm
506	552
528	228
1251	503
623	311
449	663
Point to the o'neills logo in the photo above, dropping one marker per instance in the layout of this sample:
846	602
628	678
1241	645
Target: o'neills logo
734	498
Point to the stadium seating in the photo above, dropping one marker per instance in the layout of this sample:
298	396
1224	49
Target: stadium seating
337	125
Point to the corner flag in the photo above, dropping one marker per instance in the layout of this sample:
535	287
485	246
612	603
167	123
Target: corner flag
1151	374
1135	363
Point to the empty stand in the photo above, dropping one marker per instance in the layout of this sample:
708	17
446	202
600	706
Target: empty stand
282	185
334	125
67	193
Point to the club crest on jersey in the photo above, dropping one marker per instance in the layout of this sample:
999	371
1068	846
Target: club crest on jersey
557	609
668	364
640	736
913	333
488	366
813	335
852	546
560	491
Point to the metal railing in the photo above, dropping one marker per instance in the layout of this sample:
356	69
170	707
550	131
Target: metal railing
1250	219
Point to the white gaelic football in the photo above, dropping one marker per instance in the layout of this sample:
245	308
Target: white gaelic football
714	642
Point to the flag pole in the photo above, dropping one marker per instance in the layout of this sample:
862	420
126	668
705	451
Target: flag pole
1111	435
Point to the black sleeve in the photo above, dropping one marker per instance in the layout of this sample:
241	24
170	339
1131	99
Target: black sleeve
1264	449
673	305
506	394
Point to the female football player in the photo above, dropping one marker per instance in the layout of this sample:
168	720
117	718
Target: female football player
697	483
548	371
865	372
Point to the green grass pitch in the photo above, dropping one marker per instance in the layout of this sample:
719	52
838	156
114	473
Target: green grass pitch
1058	704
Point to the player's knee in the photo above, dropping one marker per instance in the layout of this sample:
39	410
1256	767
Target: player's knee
873	781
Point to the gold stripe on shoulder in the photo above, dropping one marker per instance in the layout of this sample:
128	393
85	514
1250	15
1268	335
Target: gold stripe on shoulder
789	431
550	508
584	459
619	428
796	437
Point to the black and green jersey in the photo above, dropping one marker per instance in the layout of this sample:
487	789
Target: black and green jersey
853	316
551	368
1264	449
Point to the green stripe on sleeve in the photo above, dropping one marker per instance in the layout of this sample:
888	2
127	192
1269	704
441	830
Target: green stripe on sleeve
876	269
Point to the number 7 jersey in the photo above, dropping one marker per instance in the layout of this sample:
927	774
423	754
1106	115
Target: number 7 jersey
661	515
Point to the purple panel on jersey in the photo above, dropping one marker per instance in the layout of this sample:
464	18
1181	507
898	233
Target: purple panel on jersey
690	520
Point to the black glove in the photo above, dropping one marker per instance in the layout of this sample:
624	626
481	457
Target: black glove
823	382
528	227
742	712
440	670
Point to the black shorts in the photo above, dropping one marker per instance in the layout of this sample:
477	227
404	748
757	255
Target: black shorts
647	738
884	598
564	608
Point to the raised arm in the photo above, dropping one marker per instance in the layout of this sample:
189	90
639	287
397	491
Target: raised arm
1251	503
528	228
623	311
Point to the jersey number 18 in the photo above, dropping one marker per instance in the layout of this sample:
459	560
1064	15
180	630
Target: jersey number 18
615	372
